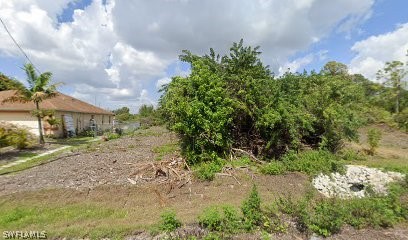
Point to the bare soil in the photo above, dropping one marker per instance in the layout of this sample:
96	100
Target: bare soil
99	175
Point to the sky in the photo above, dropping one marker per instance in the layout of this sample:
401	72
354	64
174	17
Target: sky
114	53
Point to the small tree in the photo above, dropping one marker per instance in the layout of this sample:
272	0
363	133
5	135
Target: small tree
373	138
39	89
393	74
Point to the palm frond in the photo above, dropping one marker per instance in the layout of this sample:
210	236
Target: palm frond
31	75
21	95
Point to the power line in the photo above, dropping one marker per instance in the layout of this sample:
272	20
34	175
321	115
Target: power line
15	42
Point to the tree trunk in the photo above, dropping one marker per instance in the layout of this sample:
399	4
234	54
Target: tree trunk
41	138
398	97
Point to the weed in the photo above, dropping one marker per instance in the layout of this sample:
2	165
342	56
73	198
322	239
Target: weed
313	162
223	219
273	168
112	136
163	150
207	170
373	139
351	155
169	222
211	219
251	210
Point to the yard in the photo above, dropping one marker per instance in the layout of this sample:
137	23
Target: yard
91	191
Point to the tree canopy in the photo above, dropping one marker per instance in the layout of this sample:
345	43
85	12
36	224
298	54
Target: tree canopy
7	83
234	101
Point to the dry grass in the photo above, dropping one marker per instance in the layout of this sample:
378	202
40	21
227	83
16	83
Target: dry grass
392	153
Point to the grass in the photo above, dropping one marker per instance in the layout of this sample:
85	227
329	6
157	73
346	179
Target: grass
68	220
44	159
166	149
309	162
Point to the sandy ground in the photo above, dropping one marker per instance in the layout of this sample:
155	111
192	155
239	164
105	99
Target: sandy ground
100	174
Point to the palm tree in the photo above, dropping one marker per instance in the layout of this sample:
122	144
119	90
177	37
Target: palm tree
39	89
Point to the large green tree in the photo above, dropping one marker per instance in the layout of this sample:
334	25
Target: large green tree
39	89
394	73
234	101
335	68
7	83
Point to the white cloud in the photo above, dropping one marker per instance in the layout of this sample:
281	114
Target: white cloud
118	52
162	81
373	52
296	65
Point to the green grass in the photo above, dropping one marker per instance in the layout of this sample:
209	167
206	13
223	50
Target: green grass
70	220
309	162
164	150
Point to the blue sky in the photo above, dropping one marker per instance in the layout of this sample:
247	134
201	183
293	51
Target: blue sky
120	52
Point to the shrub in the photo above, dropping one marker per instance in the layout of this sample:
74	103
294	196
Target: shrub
373	139
251	210
211	219
235	101
273	168
402	119
112	136
207	170
223	219
169	222
313	162
326	218
19	137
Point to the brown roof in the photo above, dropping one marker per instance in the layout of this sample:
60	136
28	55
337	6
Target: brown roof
61	102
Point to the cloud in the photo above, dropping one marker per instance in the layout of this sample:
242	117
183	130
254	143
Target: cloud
296	65
372	53
118	52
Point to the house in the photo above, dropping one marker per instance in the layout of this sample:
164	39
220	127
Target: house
73	115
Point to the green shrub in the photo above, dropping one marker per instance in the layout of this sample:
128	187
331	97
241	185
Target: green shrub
112	136
373	139
235	101
326	218
251	210
351	155
402	119
169	222
273	168
207	170
211	218
313	162
231	220
223	219
19	137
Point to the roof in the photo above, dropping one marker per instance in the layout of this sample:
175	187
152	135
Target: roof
60	102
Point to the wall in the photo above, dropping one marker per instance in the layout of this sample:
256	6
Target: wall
24	119
81	121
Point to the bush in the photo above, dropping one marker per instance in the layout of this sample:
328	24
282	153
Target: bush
223	219
19	137
234	101
326	218
111	136
207	170
373	139
251	210
169	222
211	219
273	168
402	119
